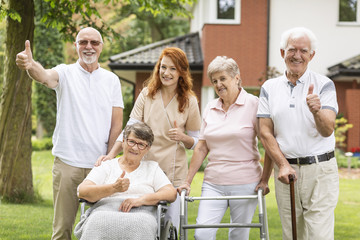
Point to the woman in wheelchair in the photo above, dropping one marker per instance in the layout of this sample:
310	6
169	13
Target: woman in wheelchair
125	190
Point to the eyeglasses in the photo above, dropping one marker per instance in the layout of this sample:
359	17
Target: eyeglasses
86	42
132	143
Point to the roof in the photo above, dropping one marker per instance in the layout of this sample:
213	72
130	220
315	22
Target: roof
145	58
349	67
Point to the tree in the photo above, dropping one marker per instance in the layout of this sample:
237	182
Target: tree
15	109
2	53
15	105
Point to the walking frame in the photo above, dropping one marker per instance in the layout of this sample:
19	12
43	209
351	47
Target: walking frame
262	225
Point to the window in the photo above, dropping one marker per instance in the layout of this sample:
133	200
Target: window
349	11
217	12
226	9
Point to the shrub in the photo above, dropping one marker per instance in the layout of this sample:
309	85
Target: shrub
41	144
341	127
342	160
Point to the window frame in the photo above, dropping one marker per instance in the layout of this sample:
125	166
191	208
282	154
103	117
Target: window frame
237	13
346	23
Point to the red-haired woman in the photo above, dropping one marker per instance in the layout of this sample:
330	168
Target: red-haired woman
169	106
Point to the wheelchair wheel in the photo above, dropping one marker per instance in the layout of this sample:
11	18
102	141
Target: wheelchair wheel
168	232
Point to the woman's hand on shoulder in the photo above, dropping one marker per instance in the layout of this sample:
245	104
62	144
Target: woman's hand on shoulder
101	159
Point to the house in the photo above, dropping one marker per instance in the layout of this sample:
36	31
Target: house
336	24
249	32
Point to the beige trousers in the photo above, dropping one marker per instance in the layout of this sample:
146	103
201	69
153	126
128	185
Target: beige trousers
66	179
316	196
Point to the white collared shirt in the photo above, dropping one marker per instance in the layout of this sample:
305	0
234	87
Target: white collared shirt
294	124
84	111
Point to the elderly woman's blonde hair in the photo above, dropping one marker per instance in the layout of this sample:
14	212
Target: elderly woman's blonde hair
223	64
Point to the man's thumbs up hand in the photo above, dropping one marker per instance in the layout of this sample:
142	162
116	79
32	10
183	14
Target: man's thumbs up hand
28	49
313	100
24	59
311	89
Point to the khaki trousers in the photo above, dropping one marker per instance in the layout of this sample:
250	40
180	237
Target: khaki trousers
316	196
66	179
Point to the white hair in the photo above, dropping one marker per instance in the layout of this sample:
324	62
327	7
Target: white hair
87	28
295	33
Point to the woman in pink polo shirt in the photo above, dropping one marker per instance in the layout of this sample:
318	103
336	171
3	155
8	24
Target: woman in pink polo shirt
229	135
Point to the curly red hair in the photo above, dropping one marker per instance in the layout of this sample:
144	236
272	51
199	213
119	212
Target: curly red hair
185	82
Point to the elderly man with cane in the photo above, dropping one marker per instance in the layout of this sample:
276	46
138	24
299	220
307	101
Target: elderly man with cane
297	114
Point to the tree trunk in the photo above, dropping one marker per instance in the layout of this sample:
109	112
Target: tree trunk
15	110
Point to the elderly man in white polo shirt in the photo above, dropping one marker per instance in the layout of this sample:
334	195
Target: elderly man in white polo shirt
89	119
297	114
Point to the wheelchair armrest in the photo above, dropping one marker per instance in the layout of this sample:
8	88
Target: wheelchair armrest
163	203
81	200
84	202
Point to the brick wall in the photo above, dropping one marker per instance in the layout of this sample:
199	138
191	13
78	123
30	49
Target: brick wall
341	88
245	43
353	116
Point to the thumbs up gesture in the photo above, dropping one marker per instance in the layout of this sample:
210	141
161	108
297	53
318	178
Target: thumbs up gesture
24	59
313	100
122	184
175	133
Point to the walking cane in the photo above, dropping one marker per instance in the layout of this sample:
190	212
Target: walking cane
292	201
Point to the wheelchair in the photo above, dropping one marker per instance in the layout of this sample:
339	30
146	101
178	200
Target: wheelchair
165	229
262	225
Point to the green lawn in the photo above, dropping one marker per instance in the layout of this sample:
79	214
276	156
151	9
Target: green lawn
33	221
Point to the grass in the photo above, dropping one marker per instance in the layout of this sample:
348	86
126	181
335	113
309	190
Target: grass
34	221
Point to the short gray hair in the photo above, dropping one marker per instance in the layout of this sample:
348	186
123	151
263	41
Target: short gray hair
223	64
140	130
295	33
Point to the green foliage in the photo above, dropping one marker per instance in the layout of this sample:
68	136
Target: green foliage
45	108
342	160
341	128
48	50
128	99
41	144
6	11
141	28
61	12
166	7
